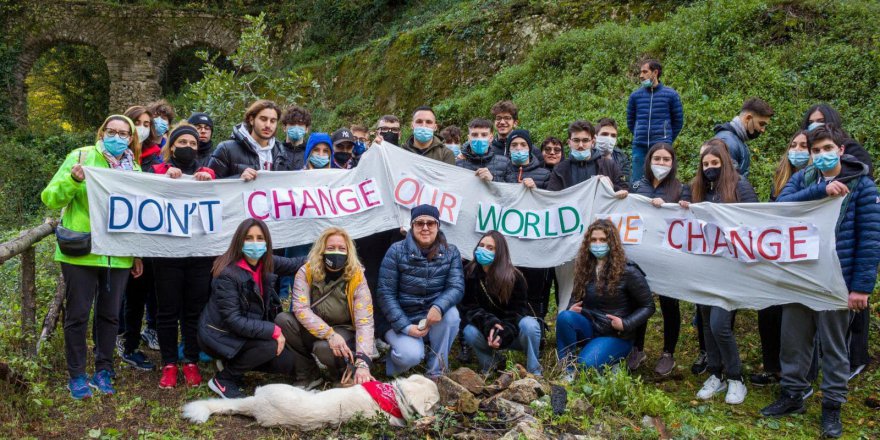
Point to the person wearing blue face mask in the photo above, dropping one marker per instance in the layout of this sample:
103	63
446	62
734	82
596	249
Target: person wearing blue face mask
163	116
653	114
451	137
296	123
526	168
584	162
832	174
423	140
495	306
318	152
237	326
824	114
478	156
610	301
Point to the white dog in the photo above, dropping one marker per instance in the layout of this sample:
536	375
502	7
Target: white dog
285	405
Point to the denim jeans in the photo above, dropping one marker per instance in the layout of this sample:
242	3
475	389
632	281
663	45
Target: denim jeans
638	162
407	351
528	341
721	347
574	331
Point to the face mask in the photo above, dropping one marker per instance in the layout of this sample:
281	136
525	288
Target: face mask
115	145
578	155
826	161
335	260
391	138
480	146
319	161
519	157
456	149
605	144
815	125
296	132
753	134
423	134
359	148
712	174
341	157
184	155
160	125
660	171
647	83
484	256
798	158
254	249
599	250
143	133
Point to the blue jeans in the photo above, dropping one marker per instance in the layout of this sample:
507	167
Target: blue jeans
574	330
407	351
638	163
528	341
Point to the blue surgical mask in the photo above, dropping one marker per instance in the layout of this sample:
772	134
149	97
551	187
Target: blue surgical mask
826	161
254	249
319	161
479	146
647	83
296	132
798	158
455	148
579	155
423	134
599	250
115	145
519	157
815	125
359	148
161	126
484	256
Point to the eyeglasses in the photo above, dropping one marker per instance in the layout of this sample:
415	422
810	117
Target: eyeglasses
583	141
552	150
388	130
122	134
425	224
503	118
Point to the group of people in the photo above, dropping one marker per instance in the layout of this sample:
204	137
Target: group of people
414	294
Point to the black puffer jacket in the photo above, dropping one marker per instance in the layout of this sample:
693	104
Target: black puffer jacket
292	157
236	312
501	147
498	165
483	312
645	188
632	302
534	170
745	193
570	172
233	156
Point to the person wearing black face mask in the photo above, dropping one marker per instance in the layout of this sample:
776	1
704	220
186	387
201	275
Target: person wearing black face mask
331	313
343	146
181	156
205	127
388	130
748	125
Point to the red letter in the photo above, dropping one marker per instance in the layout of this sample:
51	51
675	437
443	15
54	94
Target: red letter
325	195
279	204
365	194
250	205
415	194
309	203
792	242
448	206
734	238
353	198
774	245
669	233
720	242
691	236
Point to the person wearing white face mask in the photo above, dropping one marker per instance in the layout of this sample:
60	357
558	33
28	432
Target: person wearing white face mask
606	143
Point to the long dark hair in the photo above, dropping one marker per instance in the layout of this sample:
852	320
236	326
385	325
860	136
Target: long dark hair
725	186
785	169
670	184
501	275
234	252
585	263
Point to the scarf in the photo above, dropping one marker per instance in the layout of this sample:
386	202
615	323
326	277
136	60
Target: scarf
740	129
265	153
385	397
124	163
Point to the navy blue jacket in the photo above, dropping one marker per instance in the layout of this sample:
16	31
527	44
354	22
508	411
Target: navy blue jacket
498	165
858	233
654	115
409	284
739	151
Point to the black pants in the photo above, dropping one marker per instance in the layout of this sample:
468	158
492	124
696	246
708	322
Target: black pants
87	285
256	355
770	330
139	293
183	286
858	338
671	326
538	296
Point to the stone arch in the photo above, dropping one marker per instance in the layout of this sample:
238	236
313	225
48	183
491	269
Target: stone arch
163	65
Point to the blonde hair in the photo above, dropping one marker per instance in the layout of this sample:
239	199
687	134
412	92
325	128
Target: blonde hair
166	150
316	255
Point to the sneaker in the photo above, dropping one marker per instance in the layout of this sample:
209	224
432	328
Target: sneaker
712	386
700	364
191	375
832	427
120	345
855	371
786	404
809	393
764	379
150	338
219	364
79	387
102	382
635	358
225	388
665	364
736	392
169	377
138	360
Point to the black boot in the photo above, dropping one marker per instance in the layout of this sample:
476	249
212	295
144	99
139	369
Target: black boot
786	404
465	355
832	427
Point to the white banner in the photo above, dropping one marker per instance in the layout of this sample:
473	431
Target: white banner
730	255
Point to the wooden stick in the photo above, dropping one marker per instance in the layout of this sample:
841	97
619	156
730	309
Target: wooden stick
29	299
26	239
54	311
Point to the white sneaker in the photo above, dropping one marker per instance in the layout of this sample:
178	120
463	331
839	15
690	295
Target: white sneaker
712	386
736	392
855	371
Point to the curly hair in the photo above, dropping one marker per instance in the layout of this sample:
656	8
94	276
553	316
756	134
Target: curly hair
316	255
585	264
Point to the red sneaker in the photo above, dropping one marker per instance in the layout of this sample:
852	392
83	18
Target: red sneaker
169	377
191	374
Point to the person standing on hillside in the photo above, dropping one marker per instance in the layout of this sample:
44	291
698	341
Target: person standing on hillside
479	157
205	126
253	145
506	117
654	114
423	141
297	123
748	125
388	130
606	143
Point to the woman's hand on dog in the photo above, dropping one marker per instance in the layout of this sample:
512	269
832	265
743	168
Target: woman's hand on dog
362	375
340	348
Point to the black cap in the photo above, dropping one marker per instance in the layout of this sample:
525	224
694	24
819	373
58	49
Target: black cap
520	133
201	118
182	130
421	210
342	135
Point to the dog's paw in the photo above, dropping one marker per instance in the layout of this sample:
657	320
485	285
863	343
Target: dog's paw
197	412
